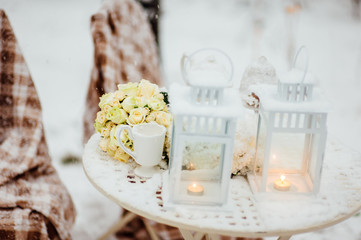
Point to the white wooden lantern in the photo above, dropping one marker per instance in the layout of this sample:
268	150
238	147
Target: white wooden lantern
291	136
204	126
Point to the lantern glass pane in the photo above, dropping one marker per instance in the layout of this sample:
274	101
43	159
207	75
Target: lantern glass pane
293	155
172	149
287	152
260	148
315	141
202	164
202	156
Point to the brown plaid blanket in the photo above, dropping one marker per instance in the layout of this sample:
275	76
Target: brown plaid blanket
124	51
34	204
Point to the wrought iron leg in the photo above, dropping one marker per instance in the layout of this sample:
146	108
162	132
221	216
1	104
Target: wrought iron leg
284	237
188	235
213	237
153	235
122	222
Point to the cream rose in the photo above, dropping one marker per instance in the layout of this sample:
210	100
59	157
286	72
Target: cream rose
106	108
112	147
129	103
124	136
129	144
106	99
130	89
156	104
98	127
163	118
101	117
159	96
113	140
110	152
121	155
119	95
110	125
104	142
150	117
105	132
115	103
117	115
140	101
137	116
147	89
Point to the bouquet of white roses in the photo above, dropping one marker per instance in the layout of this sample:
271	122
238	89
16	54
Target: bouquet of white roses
131	104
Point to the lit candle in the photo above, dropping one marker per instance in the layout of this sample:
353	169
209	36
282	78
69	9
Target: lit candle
282	184
191	167
195	189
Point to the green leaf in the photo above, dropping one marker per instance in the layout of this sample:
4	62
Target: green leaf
70	159
165	95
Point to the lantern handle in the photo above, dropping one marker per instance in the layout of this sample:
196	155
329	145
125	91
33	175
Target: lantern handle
186	57
184	74
303	47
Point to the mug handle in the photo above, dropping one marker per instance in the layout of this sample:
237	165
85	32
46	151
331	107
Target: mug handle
127	150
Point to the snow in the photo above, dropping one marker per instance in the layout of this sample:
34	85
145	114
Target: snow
297	76
55	40
271	101
181	103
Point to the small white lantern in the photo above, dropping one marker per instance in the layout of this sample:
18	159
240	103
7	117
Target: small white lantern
204	126
208	71
291	136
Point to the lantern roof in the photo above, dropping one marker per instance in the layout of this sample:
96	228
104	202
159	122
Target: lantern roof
181	103
270	100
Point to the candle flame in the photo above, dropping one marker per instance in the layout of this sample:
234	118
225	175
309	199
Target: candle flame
274	156
194	185
283	177
191	166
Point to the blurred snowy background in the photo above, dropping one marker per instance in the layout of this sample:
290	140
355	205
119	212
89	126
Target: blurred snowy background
56	42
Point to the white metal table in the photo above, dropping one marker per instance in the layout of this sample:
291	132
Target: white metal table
339	199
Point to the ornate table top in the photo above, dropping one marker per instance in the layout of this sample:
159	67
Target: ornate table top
339	197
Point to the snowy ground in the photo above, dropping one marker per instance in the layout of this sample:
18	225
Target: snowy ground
55	39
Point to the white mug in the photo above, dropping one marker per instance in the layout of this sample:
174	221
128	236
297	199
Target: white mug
148	142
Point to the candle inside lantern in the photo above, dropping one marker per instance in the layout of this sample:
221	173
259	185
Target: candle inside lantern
195	189
282	184
191	166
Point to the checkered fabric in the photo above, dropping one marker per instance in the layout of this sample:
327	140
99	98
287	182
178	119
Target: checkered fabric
34	204
124	51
